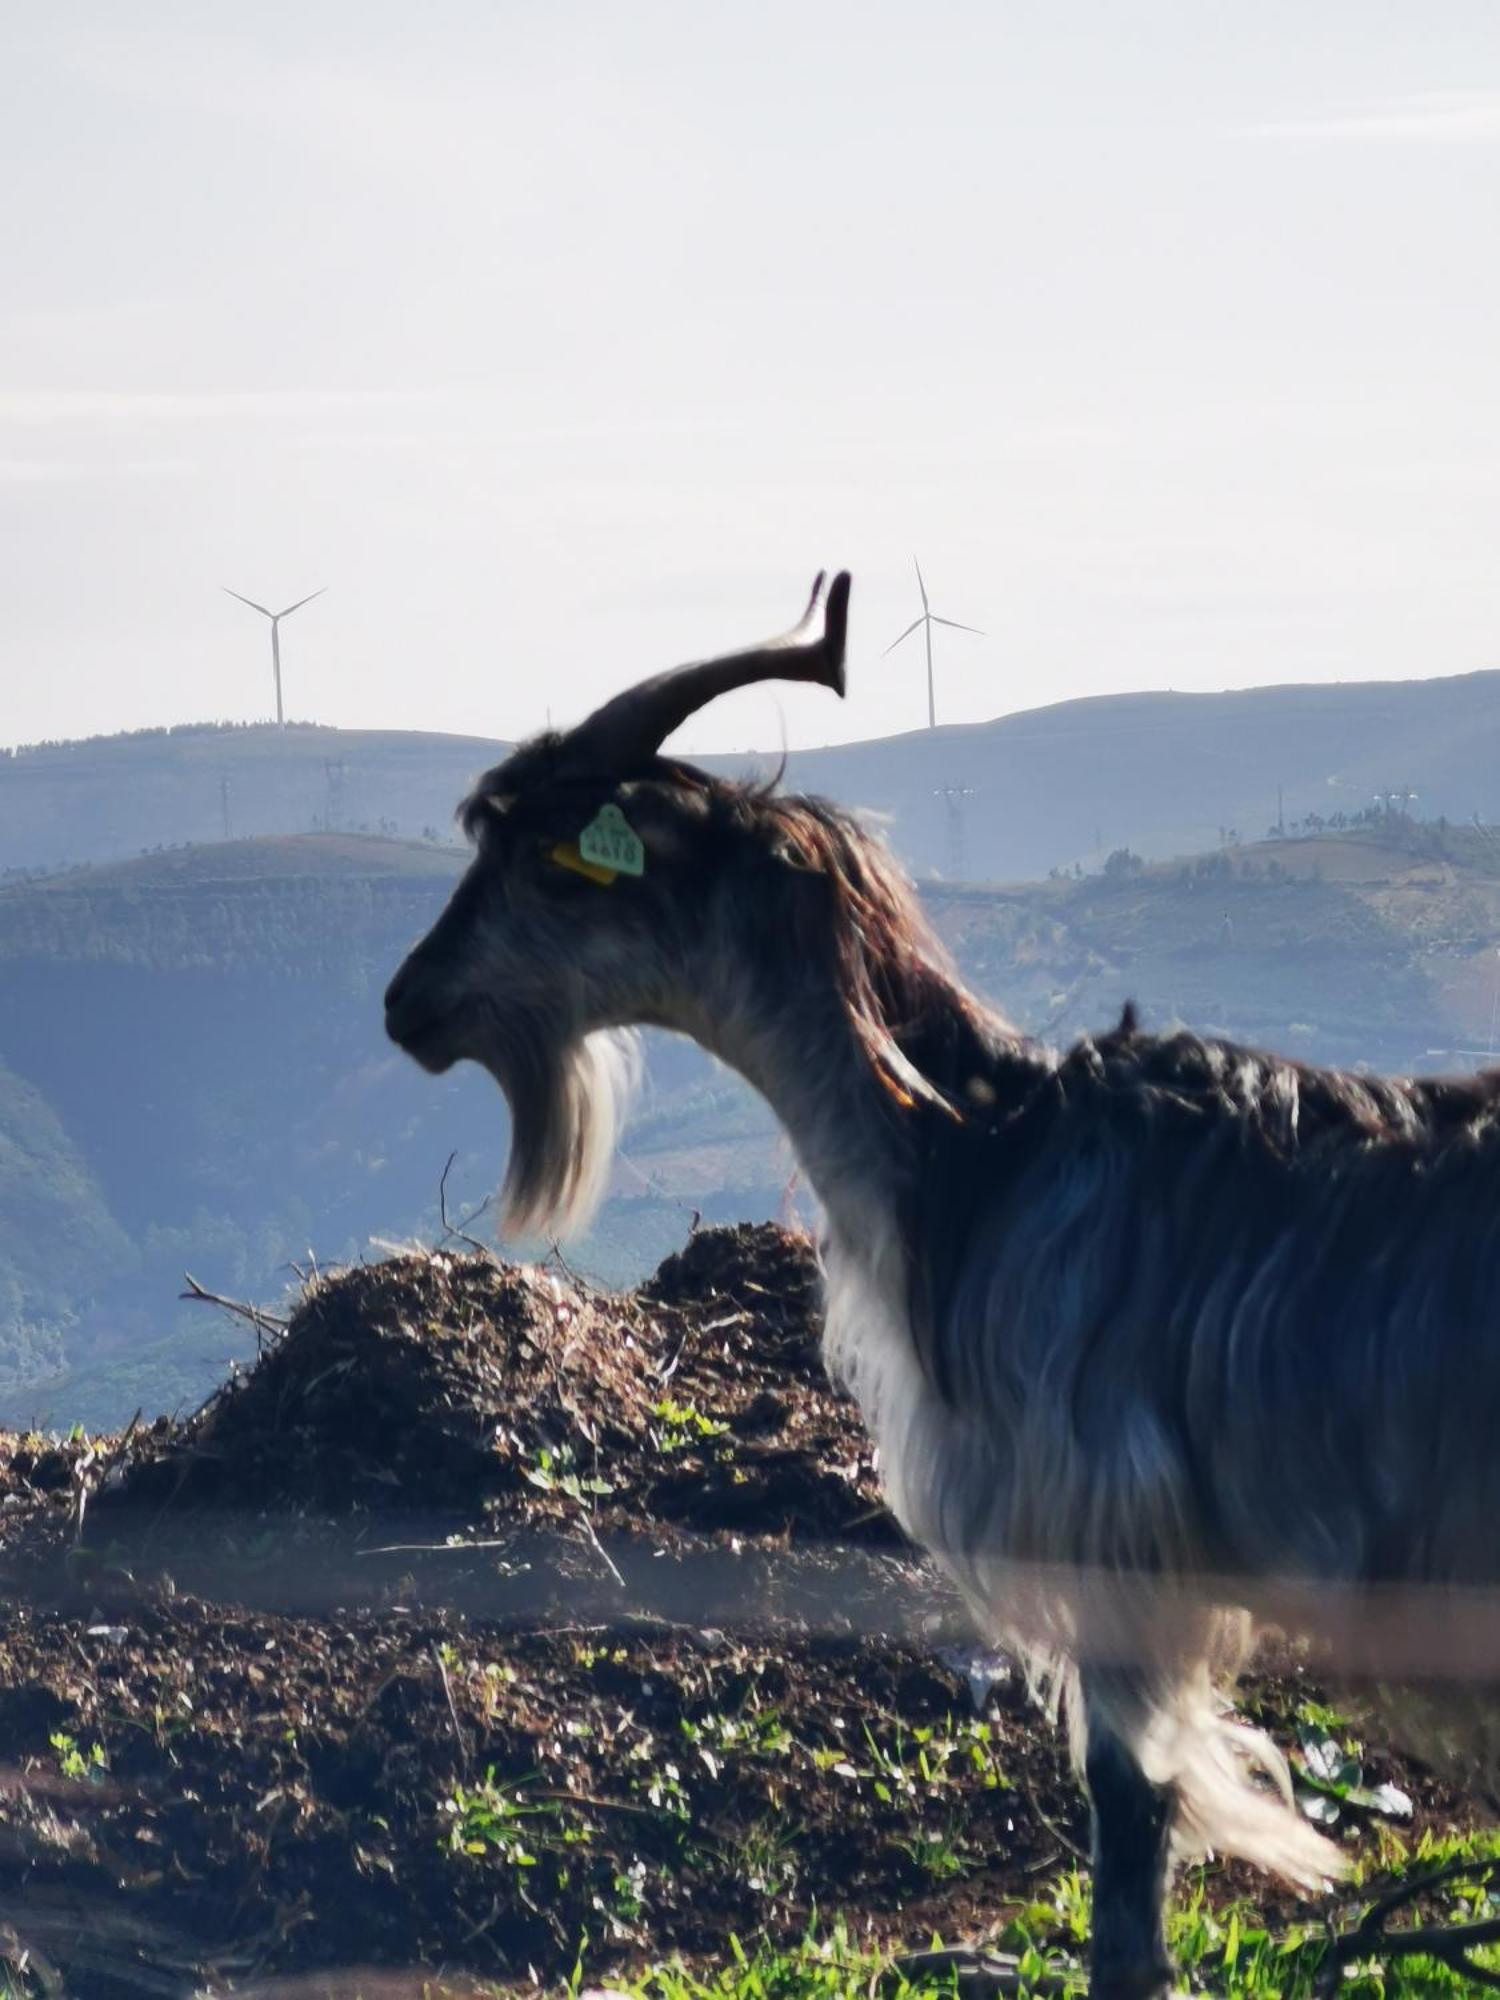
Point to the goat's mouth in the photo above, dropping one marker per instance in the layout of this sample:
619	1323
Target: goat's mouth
429	1039
472	1031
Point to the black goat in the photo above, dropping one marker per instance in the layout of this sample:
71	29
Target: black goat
1153	1337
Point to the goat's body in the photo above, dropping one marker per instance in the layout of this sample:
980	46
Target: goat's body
1207	1331
1233	1301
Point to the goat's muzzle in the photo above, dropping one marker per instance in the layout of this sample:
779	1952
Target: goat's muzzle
414	1024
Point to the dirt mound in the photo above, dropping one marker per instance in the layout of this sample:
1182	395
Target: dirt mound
746	1305
457	1385
286	1743
770	1273
416	1383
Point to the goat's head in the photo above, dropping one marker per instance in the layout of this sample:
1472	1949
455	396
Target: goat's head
602	874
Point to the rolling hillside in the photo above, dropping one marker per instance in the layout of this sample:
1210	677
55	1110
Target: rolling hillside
1004	800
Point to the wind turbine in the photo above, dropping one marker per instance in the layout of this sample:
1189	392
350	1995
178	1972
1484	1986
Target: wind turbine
928	619
275	618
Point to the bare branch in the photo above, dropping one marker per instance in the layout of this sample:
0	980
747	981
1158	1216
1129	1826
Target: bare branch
259	1318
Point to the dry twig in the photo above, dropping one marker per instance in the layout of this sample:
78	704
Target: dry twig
460	1228
458	1734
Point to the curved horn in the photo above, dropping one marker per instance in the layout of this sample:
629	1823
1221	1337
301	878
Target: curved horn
632	727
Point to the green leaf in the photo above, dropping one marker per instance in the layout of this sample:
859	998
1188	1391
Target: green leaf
1319	1808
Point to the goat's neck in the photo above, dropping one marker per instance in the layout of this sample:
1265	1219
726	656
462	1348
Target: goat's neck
805	1057
838	1119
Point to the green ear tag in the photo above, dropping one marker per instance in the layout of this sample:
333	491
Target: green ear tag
609	842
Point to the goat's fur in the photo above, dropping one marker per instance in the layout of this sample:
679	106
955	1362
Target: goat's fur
567	1107
1158	1311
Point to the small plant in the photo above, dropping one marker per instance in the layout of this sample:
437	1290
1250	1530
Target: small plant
665	1790
1320	1715
75	1762
925	1761
559	1472
758	1730
1330	1776
938	1855
768	1857
626	1903
491	1818
683	1426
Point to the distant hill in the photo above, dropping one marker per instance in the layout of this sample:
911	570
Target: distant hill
1166	774
115	796
194	1076
1006	800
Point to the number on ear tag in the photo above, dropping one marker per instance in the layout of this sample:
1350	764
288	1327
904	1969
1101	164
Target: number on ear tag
610	842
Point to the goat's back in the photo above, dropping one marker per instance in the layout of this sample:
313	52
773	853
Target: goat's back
1213	1308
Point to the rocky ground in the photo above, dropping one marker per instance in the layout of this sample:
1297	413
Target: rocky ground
492	1626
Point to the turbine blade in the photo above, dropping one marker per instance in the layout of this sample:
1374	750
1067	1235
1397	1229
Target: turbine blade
914	625
247	600
920	585
955	624
301	601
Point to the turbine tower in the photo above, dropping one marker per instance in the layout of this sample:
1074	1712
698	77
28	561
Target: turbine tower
275	618
953	797
928	619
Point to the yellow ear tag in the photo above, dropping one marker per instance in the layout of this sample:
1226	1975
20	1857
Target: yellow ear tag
566	855
609	841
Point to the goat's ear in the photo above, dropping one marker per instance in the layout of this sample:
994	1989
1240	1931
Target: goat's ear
482	809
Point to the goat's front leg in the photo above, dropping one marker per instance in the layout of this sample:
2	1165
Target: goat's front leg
1132	1836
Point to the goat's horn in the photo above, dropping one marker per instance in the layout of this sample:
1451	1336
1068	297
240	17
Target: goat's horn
630	729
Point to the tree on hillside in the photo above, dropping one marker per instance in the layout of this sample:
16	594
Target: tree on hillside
1122	864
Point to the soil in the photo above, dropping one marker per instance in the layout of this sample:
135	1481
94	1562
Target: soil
488	1623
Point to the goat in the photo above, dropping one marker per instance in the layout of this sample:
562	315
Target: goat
1152	1311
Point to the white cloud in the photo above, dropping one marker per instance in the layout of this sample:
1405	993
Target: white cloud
1431	117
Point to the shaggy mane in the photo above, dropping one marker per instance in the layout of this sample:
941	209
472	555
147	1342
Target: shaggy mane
926	1037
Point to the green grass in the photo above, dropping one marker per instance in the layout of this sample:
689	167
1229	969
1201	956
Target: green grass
1222	1950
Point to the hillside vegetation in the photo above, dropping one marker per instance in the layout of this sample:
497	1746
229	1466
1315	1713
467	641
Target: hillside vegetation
194	1076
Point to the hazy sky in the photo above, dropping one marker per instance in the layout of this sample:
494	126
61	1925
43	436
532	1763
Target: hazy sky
563	342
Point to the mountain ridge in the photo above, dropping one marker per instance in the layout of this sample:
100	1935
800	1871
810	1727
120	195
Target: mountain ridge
1158	771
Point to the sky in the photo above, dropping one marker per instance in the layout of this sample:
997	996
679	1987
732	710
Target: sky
564	342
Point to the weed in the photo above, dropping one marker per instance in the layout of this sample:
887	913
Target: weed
1331	1777
494	1819
682	1426
661	1787
75	1762
940	1856
758	1730
768	1857
559	1472
629	1894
